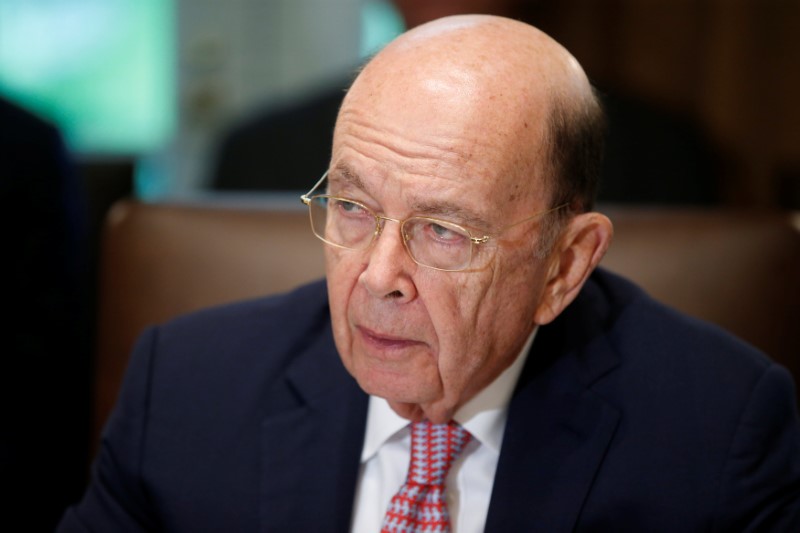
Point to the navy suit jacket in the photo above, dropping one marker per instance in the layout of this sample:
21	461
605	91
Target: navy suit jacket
627	417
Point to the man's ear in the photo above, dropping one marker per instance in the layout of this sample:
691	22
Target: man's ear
581	246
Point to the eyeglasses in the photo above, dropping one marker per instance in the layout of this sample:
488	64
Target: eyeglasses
432	243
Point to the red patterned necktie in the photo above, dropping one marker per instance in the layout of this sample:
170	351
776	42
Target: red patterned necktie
420	504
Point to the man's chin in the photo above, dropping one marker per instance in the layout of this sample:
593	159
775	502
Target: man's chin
434	412
409	411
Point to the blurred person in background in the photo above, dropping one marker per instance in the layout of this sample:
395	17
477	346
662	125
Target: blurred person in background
279	149
45	355
652	156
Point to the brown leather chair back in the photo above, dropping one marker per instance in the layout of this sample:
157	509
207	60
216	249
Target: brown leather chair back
161	260
739	270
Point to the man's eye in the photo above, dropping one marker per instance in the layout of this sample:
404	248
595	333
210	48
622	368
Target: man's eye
349	208
445	234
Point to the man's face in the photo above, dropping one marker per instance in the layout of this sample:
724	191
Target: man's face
427	340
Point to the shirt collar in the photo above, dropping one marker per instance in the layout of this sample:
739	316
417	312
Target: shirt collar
484	416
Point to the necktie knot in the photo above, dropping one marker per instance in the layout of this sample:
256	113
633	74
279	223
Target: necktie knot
434	447
420	504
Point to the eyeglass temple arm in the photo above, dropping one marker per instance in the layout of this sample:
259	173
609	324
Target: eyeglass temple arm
306	198
486	238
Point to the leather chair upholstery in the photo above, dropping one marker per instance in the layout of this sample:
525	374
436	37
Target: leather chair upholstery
739	270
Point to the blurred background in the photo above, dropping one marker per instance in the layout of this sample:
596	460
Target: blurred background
181	99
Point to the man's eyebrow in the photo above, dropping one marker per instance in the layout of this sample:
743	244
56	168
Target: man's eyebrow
344	173
457	213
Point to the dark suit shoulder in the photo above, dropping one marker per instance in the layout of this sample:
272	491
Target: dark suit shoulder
705	426
660	368
679	363
640	326
303	305
190	415
259	334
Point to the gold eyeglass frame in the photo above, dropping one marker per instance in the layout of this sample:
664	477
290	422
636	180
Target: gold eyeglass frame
308	197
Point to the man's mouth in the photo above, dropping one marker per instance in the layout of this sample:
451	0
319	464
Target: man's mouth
385	341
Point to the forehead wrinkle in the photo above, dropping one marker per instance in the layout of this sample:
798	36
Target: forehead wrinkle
437	147
420	207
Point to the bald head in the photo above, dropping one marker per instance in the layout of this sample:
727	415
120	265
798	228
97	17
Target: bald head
489	45
521	94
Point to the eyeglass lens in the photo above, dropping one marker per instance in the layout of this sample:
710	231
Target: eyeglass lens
430	242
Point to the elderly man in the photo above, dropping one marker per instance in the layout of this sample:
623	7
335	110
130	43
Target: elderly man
470	369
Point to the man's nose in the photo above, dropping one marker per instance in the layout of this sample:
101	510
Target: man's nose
389	266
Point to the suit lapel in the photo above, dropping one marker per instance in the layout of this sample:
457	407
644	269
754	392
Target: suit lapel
311	449
558	430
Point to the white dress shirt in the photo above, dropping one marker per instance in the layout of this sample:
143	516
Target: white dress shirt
386	455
